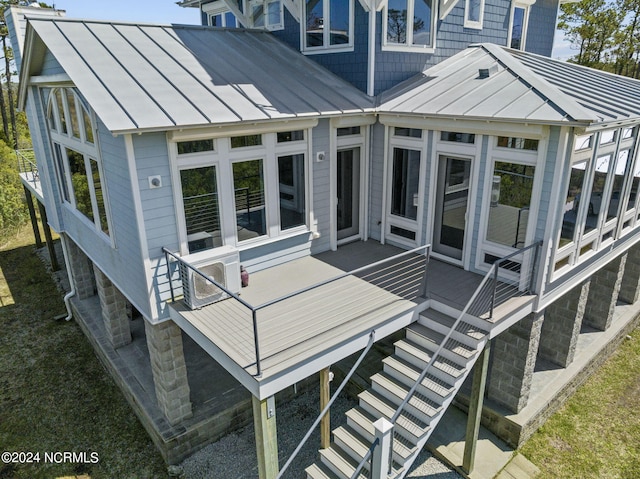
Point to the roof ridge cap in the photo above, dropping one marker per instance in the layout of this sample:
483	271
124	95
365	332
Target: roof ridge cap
553	94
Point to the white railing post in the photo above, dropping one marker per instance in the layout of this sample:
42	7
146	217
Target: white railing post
382	453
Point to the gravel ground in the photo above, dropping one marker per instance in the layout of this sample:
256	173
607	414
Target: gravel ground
234	456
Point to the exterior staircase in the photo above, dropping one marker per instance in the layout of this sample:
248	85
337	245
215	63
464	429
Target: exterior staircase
388	389
428	367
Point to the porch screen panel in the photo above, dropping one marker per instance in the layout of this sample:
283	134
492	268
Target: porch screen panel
291	190
574	192
510	203
201	208
404	184
99	194
248	184
635	182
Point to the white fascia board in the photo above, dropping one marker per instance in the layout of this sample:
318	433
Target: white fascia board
479	126
445	7
60	80
239	129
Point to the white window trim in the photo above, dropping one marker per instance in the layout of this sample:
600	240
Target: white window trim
475	24
89	151
409	46
415	144
326	39
526	6
524	157
268	26
222	158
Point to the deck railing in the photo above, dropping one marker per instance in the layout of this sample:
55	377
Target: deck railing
27	167
404	275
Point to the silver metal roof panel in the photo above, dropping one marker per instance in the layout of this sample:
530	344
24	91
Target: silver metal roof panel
155	77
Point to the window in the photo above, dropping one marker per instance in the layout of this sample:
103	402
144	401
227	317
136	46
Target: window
608	136
404	183
348	131
473	14
510	203
596	199
266	14
286	136
518	143
328	24
572	202
583	142
244	141
409	23
201	208
635	183
407	132
248	186
519	22
458	137
197	146
291	189
223	19
618	184
78	170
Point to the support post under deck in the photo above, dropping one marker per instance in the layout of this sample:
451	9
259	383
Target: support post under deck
325	423
475	409
55	266
34	218
264	421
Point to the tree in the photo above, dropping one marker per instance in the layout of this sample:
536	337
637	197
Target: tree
591	27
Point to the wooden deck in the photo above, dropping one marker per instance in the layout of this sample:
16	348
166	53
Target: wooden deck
311	330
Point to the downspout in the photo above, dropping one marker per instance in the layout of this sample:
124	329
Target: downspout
72	293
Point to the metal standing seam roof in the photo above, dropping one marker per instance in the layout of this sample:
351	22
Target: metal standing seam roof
525	88
156	77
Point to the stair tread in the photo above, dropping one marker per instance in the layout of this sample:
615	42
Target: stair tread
407	421
399	390
411	372
463	327
401	446
341	461
319	471
434	339
452	369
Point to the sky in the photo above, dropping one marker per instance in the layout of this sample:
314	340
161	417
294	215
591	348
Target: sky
148	11
166	11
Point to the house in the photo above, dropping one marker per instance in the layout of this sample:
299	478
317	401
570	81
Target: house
446	185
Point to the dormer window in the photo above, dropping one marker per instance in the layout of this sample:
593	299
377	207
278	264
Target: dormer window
473	14
401	34
328	25
519	23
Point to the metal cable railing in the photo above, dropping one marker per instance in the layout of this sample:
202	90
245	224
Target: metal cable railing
412	266
328	406
27	167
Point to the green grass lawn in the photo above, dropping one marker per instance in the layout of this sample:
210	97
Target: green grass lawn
597	432
55	395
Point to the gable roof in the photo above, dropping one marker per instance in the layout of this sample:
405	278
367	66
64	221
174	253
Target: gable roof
521	87
141	77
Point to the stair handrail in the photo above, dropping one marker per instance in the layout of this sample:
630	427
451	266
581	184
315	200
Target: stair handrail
436	354
306	437
491	274
367	455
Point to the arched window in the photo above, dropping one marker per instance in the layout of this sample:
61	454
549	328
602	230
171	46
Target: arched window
76	156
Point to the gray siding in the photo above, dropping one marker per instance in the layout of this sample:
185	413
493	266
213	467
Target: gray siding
542	27
50	65
545	207
451	37
321	182
158	210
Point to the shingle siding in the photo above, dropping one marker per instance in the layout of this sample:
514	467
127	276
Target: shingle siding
542	27
321	186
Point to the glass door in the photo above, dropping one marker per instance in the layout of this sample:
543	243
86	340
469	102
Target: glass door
348	189
451	206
